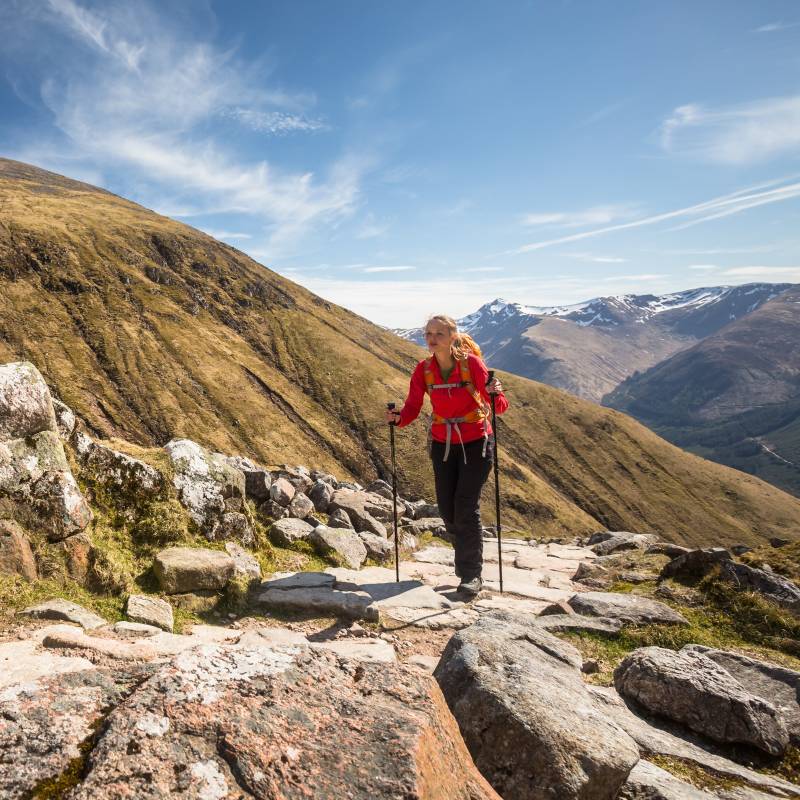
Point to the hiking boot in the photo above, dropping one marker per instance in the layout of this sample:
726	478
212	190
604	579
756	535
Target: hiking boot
472	587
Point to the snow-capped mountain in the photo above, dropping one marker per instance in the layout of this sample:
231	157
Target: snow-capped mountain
589	348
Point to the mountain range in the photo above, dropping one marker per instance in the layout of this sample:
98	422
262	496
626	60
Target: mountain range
152	330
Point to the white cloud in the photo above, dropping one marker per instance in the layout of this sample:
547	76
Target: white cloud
145	95
389	269
765	273
596	259
734	203
772	27
703	267
371	229
226	234
484	269
743	134
598	215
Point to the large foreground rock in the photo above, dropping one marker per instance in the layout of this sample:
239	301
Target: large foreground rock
770	585
778	685
16	556
526	715
150	611
66	610
211	490
285	532
37	487
691	689
362	509
191	569
285	722
631	608
340	544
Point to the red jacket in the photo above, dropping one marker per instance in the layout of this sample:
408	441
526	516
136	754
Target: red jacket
450	403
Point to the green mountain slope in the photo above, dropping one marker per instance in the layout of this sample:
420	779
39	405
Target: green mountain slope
150	329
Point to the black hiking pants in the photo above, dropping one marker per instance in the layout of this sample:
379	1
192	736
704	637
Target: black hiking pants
458	493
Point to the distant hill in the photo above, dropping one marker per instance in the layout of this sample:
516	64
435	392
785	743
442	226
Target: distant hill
150	330
590	348
734	397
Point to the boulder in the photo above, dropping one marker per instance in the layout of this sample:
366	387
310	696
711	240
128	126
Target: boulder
16	556
339	544
618	542
281	492
628	608
103	646
189	569
740	549
223	722
65	420
771	585
320	495
526	716
271	510
577	622
64	610
300	507
150	611
779	685
779	541
257	480
76	553
245	565
46	720
667	549
359	507
298	477
422	509
26	407
319	600
339	519
691	689
381	488
285	532
208	487
325	477
588	571
695	564
378	548
422	525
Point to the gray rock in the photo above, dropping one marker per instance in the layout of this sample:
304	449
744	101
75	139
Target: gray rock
257	480
285	532
342	545
577	622
649	782
656	740
695	564
65	420
778	685
325	477
271	510
422	525
740	549
135	630
232	525
320	600
359	507
208	487
778	541
16	555
64	610
351	485
118	472
192	569
300	507
378	548
422	510
244	564
150	611
380	487
26	407
691	689
340	519
770	585
320	495
298	580
526	716
624	541
589	571
298	477
281	492
667	549
629	608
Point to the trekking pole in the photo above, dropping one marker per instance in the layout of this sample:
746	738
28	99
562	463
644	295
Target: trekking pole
391	407
496	486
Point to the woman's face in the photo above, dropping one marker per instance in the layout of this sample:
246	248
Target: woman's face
438	337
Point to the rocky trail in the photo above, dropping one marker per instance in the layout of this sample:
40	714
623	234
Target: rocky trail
204	627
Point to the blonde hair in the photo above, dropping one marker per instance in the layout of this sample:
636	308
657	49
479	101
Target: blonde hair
463	344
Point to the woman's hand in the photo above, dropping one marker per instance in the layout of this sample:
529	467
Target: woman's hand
495	387
392	416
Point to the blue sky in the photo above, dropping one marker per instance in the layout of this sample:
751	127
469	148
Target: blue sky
407	158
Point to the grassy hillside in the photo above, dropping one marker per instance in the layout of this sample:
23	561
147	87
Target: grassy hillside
150	329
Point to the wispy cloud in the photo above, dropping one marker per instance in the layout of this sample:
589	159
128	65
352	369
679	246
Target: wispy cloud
762	194
765	273
742	134
602	113
145	94
773	27
703	267
402	268
597	215
226	234
371	228
595	258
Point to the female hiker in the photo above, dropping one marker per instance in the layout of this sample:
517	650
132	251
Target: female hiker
461	449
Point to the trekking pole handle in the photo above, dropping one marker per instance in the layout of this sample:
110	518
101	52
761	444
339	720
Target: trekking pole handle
391	407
